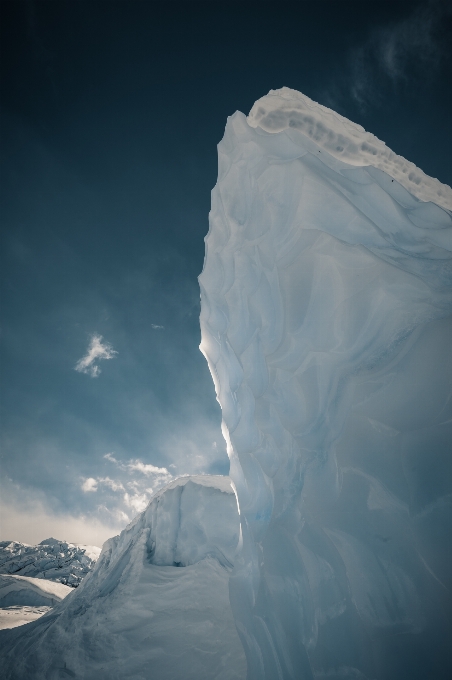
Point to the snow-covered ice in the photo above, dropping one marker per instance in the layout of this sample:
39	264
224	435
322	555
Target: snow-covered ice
326	300
287	109
18	615
33	578
15	590
326	319
54	560
156	604
24	599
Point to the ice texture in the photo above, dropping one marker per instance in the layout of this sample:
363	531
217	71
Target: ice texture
17	590
24	599
285	109
54	560
156	605
326	303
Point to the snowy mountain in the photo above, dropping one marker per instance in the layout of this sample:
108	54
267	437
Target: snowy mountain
66	563
156	603
326	317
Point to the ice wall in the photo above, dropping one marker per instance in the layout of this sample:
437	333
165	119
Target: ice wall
326	303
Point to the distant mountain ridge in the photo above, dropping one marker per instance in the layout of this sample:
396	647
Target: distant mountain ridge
53	560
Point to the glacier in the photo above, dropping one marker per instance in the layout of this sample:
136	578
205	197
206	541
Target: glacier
326	322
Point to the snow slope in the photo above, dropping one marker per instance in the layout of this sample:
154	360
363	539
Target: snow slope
326	303
155	606
32	591
24	599
67	563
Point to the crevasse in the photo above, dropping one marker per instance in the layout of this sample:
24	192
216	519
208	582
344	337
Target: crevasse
326	304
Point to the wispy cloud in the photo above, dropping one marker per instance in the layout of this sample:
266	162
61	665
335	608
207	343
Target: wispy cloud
156	327
135	492
411	40
137	465
398	51
96	351
93	484
394	54
146	469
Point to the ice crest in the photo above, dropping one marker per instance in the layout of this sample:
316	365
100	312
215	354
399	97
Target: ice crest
285	109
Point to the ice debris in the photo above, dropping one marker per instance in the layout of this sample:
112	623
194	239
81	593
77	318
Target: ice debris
67	563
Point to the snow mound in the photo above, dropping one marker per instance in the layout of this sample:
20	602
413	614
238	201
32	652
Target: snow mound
23	590
18	615
54	560
156	603
287	109
24	599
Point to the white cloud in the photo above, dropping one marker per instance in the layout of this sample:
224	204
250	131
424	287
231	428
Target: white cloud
143	480
146	469
116	515
111	484
137	502
157	328
90	484
96	351
137	465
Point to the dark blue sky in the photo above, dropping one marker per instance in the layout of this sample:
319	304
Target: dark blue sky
111	112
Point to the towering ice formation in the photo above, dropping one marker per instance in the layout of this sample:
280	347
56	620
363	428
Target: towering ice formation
326	322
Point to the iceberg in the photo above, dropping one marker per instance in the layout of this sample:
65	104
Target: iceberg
326	300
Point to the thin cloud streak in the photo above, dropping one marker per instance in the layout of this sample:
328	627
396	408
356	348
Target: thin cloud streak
398	52
137	465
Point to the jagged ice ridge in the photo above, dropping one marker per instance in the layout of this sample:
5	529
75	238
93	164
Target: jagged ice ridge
67	563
